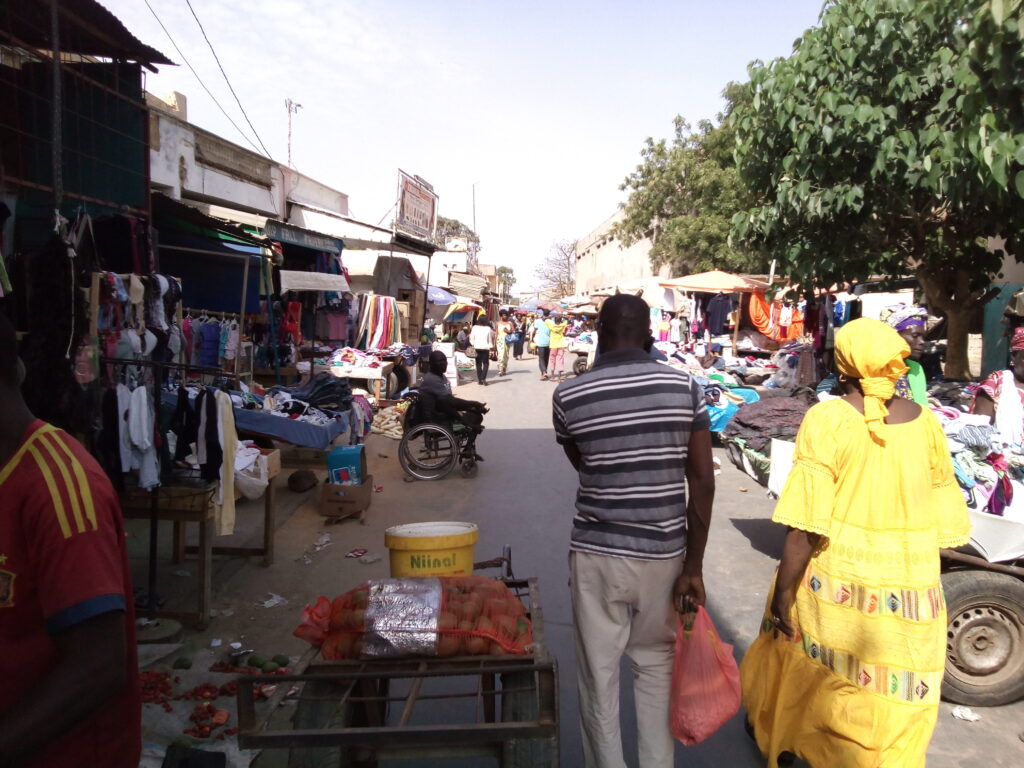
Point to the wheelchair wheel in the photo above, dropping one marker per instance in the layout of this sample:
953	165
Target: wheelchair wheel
428	452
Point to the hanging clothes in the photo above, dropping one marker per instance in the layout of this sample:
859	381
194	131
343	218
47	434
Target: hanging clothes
717	314
209	344
143	440
224	509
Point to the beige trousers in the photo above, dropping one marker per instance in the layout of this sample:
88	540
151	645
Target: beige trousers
622	605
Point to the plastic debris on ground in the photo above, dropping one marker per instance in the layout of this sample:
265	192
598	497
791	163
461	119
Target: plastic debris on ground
356	553
272	601
378	488
216	642
369	559
322	542
965	713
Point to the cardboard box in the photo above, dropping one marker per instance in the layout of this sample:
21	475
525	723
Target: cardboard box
346	500
270	461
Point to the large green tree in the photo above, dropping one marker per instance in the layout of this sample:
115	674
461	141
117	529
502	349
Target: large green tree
892	142
683	195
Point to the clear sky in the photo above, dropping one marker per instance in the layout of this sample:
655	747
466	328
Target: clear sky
544	106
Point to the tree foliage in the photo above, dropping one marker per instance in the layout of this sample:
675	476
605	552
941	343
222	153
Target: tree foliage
556	274
891	141
449	228
683	195
506	279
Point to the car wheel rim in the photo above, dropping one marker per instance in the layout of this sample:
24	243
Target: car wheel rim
984	641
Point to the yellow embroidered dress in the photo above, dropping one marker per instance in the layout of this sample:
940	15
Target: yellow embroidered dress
859	687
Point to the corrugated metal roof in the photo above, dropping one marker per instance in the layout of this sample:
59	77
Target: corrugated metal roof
463	284
86	28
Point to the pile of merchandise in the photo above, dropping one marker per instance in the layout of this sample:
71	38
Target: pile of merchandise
395	618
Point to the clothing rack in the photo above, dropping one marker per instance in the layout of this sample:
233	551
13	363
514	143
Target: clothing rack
212	313
154	494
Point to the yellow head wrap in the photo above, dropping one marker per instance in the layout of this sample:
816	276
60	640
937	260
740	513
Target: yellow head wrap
873	352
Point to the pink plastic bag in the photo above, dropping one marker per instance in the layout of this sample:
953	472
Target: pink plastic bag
705	682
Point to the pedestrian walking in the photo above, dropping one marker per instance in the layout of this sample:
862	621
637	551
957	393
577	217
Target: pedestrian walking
481	338
70	694
638	434
556	345
521	330
541	337
849	663
505	329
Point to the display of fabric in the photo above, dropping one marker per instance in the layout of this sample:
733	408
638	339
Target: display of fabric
776	320
379	324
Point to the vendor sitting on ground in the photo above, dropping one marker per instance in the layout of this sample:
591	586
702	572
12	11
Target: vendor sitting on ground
1001	395
909	322
444	404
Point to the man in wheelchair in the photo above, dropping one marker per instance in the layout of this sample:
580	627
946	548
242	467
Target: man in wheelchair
437	404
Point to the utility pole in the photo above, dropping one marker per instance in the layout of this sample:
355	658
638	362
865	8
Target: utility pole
293	109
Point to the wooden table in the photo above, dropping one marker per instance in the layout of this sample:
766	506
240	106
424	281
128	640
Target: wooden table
194	504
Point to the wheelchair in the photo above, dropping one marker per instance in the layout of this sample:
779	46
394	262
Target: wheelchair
433	445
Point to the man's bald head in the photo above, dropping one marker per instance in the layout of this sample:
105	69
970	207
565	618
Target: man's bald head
624	322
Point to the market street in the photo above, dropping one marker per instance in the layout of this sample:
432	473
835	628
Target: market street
523	498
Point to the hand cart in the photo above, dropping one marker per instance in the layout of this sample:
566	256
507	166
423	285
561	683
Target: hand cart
357	712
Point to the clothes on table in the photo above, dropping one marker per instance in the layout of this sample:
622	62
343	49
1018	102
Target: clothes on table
1009	420
778	417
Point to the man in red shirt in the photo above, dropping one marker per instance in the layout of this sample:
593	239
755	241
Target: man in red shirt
69	683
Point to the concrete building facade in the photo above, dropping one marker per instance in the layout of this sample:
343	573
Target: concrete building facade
603	262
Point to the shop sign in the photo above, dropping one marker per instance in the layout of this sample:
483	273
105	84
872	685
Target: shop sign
284	233
417	206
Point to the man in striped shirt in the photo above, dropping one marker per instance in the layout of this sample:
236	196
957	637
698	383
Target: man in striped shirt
637	431
70	682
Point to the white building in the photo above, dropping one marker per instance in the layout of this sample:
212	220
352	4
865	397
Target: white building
603	263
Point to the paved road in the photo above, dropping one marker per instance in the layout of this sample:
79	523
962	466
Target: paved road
524	497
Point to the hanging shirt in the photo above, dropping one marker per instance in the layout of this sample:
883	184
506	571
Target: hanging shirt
718	313
63	561
209	345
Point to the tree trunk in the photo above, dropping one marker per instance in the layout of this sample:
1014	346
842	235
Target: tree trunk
958	320
951	293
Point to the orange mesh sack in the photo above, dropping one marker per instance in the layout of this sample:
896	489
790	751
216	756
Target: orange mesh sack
392	618
705	682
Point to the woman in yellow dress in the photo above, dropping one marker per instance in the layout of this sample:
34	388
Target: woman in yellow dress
847	669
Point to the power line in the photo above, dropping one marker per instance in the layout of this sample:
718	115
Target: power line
199	79
219	66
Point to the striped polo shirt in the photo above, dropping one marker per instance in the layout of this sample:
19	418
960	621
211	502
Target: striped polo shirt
631	419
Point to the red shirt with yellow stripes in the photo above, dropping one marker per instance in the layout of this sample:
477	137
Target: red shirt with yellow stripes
63	560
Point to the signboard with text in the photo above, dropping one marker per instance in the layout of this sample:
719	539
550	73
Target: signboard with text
417	206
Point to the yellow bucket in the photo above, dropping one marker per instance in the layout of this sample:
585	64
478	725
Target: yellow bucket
431	549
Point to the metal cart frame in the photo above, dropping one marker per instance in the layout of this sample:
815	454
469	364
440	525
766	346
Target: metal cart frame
524	732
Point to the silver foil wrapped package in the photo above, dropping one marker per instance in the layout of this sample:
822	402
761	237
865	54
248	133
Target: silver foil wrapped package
401	618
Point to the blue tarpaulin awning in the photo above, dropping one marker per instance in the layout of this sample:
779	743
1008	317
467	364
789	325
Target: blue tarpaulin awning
437	295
